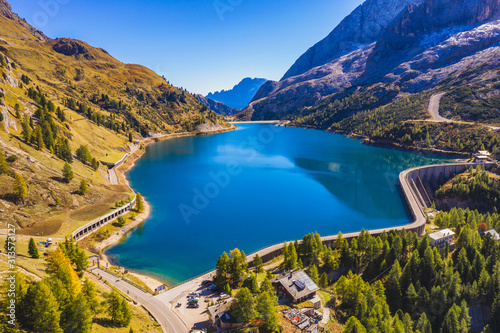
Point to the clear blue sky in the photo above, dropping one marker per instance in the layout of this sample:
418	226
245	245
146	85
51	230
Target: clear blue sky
201	45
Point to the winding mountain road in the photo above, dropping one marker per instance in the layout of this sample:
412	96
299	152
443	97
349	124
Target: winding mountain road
433	109
158	307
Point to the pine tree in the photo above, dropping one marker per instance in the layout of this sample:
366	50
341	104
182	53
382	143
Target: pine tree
393	288
39	138
77	316
243	307
43	309
411	299
266	308
90	293
6	245
118	310
313	273
3	164
222	269
353	325
292	256
323	281
139	203
95	164
67	172
33	250
83	187
21	189
257	264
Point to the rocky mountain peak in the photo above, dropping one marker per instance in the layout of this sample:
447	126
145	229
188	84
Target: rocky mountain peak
71	47
363	26
5	9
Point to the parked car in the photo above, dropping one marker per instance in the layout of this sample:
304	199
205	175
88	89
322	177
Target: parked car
224	296
193	305
193	301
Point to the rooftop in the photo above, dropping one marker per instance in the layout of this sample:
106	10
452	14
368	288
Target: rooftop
493	234
220	308
298	284
441	234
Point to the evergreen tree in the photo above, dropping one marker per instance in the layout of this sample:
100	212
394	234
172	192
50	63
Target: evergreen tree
33	250
423	324
393	288
118	310
292	256
83	187
95	164
3	164
67	173
90	293
42	309
139	203
251	283
222	269
244	307
39	138
411	299
313	273
77	316
257	264
323	281
266	307
353	325
457	319
237	267
7	245
21	190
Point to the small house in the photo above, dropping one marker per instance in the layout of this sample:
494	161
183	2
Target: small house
482	156
441	238
493	234
296	287
219	315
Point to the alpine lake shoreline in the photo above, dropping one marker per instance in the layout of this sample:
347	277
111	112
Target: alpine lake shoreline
154	280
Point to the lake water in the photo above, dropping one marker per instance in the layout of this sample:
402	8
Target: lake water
254	187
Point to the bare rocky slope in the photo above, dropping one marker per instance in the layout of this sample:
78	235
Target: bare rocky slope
417	46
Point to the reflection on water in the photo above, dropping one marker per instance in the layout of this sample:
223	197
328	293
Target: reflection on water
257	186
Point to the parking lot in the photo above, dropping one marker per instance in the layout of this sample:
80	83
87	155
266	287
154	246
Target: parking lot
195	318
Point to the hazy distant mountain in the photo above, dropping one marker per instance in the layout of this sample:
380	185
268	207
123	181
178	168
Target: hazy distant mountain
415	46
240	95
218	107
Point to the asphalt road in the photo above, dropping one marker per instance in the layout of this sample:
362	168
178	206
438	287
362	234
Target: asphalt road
434	108
168	320
434	103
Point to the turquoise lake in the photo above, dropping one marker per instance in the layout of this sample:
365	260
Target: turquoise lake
254	187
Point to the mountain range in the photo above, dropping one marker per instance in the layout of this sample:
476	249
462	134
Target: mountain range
64	101
218	107
390	50
240	95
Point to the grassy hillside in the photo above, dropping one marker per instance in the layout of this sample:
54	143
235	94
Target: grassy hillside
59	95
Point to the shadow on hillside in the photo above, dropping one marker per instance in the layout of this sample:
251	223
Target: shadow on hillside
58	179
